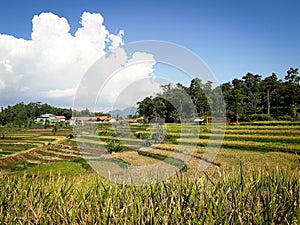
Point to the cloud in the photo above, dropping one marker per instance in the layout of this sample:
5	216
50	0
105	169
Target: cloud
130	83
50	65
117	81
6	66
61	93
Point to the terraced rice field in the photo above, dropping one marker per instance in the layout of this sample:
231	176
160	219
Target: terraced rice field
256	145
27	148
254	178
250	145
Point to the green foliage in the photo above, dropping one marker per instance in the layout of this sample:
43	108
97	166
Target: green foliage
285	117
243	97
54	129
260	117
21	114
19	167
114	146
142	134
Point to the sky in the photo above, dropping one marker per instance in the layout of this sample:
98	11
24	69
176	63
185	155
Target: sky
46	46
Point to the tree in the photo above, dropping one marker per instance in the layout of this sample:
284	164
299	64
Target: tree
178	102
292	90
269	88
173	104
146	108
238	103
252	93
292	76
199	96
22	115
243	97
54	129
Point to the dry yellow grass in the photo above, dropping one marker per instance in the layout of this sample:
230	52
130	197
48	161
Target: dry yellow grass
134	158
229	159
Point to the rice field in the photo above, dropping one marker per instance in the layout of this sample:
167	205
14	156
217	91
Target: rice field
26	148
237	197
240	144
253	179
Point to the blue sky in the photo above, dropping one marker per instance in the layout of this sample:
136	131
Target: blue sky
232	37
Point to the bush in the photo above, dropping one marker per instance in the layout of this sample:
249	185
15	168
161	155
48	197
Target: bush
142	135
114	146
260	117
107	132
285	117
18	168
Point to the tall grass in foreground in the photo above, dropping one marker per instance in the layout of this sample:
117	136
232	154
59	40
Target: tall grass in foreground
257	197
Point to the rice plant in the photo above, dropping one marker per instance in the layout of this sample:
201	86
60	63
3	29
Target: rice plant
235	197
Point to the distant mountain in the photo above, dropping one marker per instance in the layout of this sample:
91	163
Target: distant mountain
123	113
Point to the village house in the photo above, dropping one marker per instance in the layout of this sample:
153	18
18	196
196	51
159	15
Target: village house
51	118
136	120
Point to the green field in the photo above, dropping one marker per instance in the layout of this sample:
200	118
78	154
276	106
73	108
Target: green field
254	178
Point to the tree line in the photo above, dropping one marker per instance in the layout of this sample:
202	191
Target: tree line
24	114
245	99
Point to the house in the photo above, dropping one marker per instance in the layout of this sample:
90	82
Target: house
45	117
60	118
103	118
51	118
136	120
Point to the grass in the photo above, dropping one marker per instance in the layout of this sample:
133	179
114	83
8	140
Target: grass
64	168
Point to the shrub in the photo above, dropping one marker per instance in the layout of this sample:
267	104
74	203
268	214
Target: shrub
114	146
285	117
18	168
259	117
142	135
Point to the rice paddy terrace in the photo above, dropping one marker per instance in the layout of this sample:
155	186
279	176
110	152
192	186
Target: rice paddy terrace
257	181
25	148
253	144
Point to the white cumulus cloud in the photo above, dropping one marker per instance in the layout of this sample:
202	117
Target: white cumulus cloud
50	65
